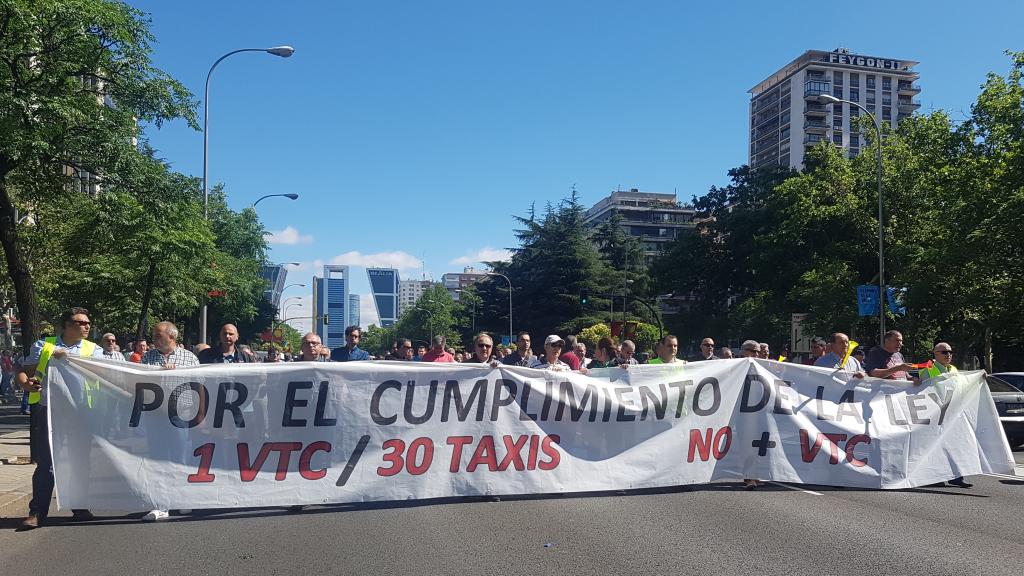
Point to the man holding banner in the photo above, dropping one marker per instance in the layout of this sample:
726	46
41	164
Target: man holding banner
839	356
941	364
75	326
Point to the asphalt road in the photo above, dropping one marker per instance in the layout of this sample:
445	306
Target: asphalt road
714	529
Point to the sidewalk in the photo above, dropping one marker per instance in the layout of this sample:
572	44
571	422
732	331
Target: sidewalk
15	479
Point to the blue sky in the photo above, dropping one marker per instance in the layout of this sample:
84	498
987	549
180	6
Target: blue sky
414	131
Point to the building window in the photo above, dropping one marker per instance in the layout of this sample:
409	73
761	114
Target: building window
837	91
785	133
784	119
837	122
784	160
886	99
886	112
870	97
854	79
854	95
886	83
854	141
854	112
869	80
837	77
837	138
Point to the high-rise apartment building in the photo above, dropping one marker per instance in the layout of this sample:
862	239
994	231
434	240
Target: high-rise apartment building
456	281
786	118
384	287
331	305
409	291
353	311
652	217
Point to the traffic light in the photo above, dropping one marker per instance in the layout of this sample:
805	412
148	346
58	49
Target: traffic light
584	296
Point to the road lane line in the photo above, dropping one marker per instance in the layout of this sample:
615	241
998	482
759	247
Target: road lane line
1007	476
796	489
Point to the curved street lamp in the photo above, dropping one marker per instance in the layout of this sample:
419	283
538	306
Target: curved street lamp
290	196
283	52
431	315
827	99
511	334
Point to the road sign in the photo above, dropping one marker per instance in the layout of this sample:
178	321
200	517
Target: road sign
798	340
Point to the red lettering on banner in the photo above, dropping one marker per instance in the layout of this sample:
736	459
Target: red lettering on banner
550	451
307	456
833	449
484	454
427	446
458	442
705	446
285	450
531	457
247	470
808	452
394	458
851	444
205	453
512	453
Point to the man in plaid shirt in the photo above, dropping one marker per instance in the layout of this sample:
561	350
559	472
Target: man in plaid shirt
167	354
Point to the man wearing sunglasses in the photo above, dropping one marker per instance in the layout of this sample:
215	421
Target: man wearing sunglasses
552	350
108	343
942	363
483	346
75	327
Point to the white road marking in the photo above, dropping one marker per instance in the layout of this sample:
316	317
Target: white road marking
797	489
1007	476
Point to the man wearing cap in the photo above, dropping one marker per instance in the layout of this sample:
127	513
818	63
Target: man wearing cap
553	345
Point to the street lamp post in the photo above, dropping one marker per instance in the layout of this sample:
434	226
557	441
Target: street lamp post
511	334
827	99
290	196
293	284
283	52
472	301
431	316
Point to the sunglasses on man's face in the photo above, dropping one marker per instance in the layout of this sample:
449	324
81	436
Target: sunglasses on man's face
483	345
945	351
82	323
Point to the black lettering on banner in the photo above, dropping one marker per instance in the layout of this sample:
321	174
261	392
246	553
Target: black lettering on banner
453	393
549	388
847	407
681	387
660	403
915	410
172	405
235	406
716	397
779	394
140	401
291	403
497	401
410	391
524	401
321	406
942	402
748	384
621	415
819	396
375	414
567	396
353	460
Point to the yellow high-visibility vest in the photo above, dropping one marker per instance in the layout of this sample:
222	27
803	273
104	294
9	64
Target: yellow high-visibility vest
49	345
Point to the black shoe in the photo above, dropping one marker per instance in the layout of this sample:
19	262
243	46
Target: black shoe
81	516
936	485
32	521
960	483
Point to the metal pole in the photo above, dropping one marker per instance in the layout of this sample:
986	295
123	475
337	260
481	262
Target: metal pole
510	332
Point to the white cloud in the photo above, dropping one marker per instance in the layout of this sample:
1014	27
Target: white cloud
367	311
289	237
485	254
403	261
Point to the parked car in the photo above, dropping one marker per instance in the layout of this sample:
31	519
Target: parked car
1010	405
1015	379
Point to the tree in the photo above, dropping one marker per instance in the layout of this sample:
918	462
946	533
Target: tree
62	62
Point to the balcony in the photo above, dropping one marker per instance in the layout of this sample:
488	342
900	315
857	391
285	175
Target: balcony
814	109
813	139
908	88
815	126
908	106
815	88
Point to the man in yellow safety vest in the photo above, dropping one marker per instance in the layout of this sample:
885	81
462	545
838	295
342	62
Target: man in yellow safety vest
32	378
942	363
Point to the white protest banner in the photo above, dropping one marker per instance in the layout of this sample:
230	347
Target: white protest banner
127	437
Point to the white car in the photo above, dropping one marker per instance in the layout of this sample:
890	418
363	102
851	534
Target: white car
1016	379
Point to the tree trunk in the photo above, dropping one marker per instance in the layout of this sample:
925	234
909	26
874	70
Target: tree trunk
988	349
147	296
17	267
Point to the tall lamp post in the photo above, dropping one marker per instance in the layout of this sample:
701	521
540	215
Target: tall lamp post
472	301
431	316
827	99
283	52
511	334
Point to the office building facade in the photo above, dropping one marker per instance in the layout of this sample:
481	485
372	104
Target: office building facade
786	118
274	275
331	305
654	218
354	312
385	289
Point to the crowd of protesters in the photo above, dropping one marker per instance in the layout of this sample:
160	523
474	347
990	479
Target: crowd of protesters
29	374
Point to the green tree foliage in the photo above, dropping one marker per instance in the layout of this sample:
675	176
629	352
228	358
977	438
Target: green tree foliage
61	63
434	313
